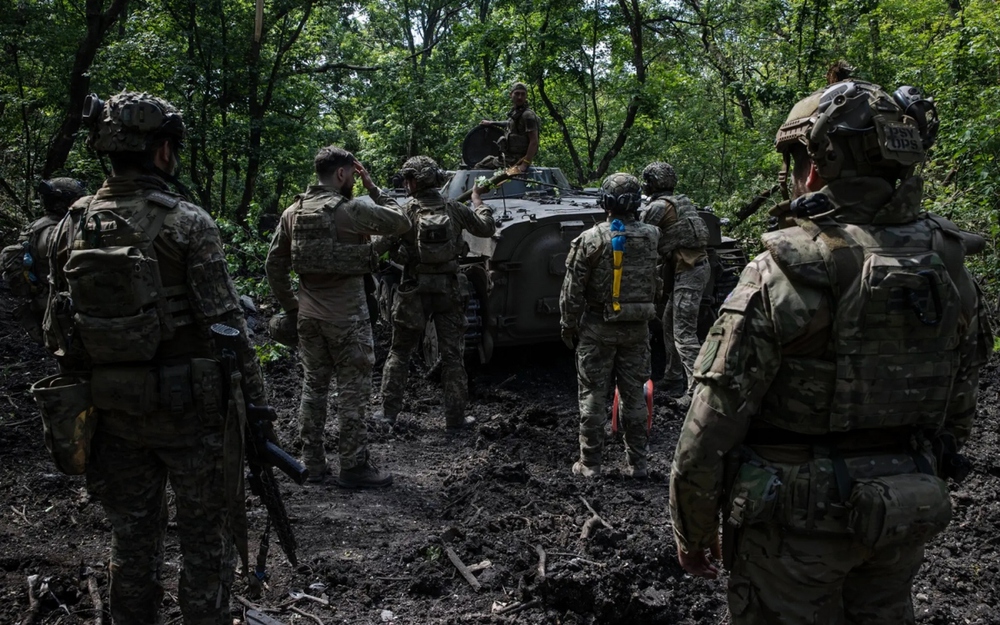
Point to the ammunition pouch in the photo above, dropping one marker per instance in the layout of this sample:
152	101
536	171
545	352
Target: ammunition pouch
142	389
68	420
754	494
898	509
120	339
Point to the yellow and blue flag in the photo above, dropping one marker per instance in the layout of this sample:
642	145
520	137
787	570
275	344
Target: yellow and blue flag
618	252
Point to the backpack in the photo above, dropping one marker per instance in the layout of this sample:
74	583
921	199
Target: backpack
437	237
121	311
24	267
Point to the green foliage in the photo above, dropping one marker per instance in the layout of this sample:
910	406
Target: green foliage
270	351
703	85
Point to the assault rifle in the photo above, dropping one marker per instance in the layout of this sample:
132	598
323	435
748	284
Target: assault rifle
262	453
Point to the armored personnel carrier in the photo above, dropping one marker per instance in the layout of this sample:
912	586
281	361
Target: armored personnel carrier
515	276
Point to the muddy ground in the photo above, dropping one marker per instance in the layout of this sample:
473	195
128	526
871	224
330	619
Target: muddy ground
499	496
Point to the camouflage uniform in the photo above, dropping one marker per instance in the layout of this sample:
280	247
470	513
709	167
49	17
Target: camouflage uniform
846	351
146	435
431	291
613	347
26	263
335	336
687	269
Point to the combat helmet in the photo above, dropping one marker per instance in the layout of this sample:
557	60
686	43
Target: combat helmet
658	177
58	194
424	171
130	122
620	193
854	128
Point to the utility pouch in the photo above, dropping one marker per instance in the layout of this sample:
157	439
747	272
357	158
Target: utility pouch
630	311
121	339
754	495
128	389
897	509
68	420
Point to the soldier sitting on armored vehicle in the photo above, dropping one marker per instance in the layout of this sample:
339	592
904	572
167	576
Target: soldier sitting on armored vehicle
519	143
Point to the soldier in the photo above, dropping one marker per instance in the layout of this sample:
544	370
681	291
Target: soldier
839	380
432	287
26	263
324	236
519	143
684	265
139	276
608	298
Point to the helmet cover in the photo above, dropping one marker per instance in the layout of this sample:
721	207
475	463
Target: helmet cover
58	194
283	329
658	177
854	128
130	122
424	171
620	193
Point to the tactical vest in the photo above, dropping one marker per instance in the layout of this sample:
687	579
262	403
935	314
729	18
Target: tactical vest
316	245
898	295
639	282
689	230
438	238
515	139
121	310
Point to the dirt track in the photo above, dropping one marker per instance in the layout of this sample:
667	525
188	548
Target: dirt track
499	495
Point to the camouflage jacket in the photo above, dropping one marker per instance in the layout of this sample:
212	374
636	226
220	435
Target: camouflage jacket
769	319
331	297
190	256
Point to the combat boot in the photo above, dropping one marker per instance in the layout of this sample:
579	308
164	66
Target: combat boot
365	475
637	469
315	460
586	470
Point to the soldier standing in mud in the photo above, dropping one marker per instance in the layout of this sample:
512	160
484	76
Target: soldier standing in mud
608	298
685	271
839	381
432	287
519	143
25	264
324	236
139	276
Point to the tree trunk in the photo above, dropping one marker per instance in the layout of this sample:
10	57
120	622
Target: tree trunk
98	23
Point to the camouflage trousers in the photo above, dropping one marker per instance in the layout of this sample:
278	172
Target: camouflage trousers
610	355
132	458
782	577
346	353
680	322
410	313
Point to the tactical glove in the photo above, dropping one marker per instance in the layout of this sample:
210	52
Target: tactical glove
569	337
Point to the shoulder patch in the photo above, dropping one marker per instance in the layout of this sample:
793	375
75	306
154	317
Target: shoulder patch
798	255
166	200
